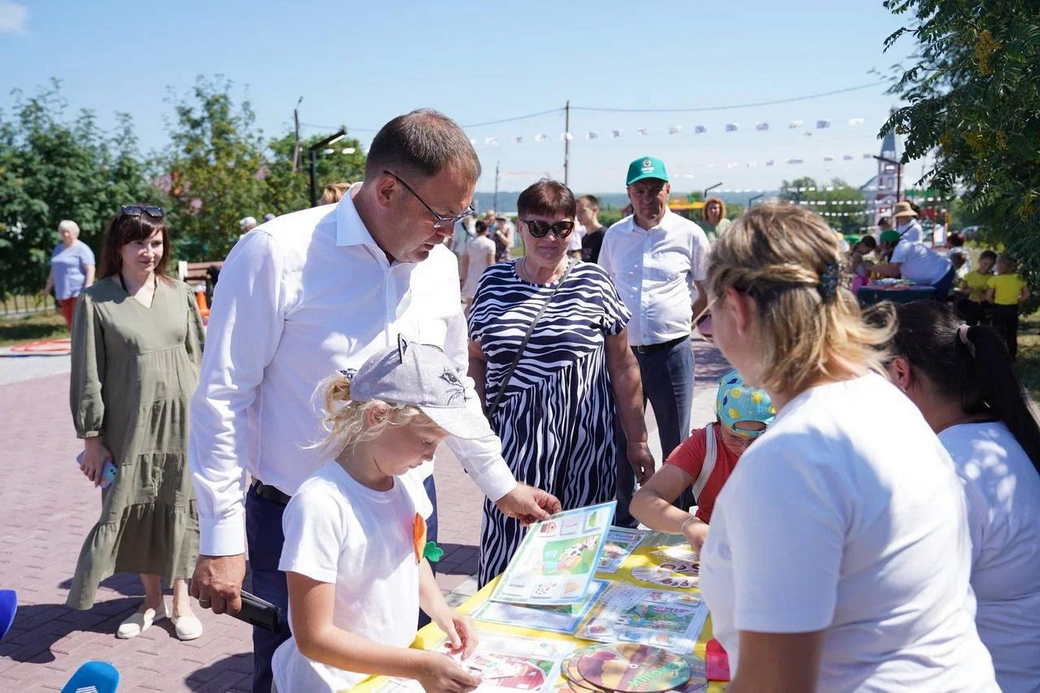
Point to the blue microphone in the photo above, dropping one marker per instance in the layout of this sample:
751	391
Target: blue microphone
93	677
8	609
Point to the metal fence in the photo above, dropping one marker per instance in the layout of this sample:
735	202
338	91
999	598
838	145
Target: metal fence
14	305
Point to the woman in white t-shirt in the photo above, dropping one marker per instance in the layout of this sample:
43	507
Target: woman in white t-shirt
961	379
832	562
355	532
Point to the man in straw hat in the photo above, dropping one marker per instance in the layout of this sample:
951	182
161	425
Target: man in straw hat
907	226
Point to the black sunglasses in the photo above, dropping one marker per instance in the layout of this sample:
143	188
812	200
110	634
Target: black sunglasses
137	210
541	229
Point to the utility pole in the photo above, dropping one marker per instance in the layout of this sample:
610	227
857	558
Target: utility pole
495	203
710	188
752	200
566	141
312	154
296	146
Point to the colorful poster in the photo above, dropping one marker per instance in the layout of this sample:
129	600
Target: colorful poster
665	618
620	544
562	618
557	559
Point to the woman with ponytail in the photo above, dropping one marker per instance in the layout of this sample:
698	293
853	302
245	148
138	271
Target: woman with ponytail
961	379
832	563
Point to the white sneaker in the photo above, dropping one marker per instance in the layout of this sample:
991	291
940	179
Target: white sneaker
187	627
140	621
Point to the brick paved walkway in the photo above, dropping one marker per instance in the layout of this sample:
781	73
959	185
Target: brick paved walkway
49	507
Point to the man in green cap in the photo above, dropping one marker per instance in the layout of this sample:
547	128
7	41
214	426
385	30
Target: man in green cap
915	261
657	260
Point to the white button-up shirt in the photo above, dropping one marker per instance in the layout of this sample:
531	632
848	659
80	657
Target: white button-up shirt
298	298
655	270
911	231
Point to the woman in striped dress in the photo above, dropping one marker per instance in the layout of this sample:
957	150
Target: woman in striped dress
555	412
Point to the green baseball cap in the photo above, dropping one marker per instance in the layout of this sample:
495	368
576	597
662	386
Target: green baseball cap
646	167
890	236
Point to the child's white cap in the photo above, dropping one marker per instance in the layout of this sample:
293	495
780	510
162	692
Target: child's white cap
421	375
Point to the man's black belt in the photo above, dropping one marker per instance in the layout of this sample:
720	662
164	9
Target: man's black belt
262	490
650	348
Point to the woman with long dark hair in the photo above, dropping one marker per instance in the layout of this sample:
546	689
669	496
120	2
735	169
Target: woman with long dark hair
961	379
136	346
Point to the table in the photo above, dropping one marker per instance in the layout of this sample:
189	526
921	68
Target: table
871	293
431	635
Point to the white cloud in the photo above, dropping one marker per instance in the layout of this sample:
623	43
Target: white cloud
12	17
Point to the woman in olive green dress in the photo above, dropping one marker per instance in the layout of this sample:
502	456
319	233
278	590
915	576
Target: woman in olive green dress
136	346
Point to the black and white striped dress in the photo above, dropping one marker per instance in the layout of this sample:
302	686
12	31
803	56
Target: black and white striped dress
556	420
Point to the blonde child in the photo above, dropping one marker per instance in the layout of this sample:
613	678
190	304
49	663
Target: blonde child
1006	291
355	531
704	461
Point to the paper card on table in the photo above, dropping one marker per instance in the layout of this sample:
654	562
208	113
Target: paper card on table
620	544
560	618
557	559
504	664
665	618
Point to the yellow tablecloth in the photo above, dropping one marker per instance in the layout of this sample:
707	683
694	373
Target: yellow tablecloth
431	636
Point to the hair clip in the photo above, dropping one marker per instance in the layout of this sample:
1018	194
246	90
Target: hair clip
962	335
828	286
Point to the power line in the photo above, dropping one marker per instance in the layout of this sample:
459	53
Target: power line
468	125
731	106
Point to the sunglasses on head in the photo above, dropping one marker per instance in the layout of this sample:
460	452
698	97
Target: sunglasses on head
541	229
137	210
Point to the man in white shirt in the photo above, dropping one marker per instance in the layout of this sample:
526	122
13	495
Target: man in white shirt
657	260
305	295
914	261
906	222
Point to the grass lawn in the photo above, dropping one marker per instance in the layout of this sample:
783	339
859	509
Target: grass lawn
1028	364
30	328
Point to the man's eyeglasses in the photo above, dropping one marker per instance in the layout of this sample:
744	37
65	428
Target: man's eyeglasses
439	220
541	229
138	210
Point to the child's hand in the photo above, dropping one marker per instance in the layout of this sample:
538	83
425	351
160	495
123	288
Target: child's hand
696	532
441	673
462	637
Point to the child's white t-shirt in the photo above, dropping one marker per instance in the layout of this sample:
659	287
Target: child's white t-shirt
832	522
1003	491
359	539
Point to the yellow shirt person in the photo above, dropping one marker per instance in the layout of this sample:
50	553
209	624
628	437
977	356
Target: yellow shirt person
977	283
1007	289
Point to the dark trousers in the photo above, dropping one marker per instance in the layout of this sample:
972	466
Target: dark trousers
1005	322
265	539
667	373
974	313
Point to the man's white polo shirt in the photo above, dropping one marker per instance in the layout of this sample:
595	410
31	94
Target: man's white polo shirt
655	270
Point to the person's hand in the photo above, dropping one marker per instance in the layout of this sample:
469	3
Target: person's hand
217	582
462	637
442	673
696	532
528	504
95	454
642	461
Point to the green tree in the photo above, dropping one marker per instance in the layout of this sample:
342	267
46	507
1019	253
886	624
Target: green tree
54	167
840	204
973	99
289	191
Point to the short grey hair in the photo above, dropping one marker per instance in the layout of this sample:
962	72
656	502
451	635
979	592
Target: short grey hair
68	225
422	142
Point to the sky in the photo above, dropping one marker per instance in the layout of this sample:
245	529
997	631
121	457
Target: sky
360	64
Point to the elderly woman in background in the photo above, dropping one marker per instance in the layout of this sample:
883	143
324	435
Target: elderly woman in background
72	269
136	346
962	380
549	354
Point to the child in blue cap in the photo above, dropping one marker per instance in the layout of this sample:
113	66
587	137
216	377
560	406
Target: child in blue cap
704	461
